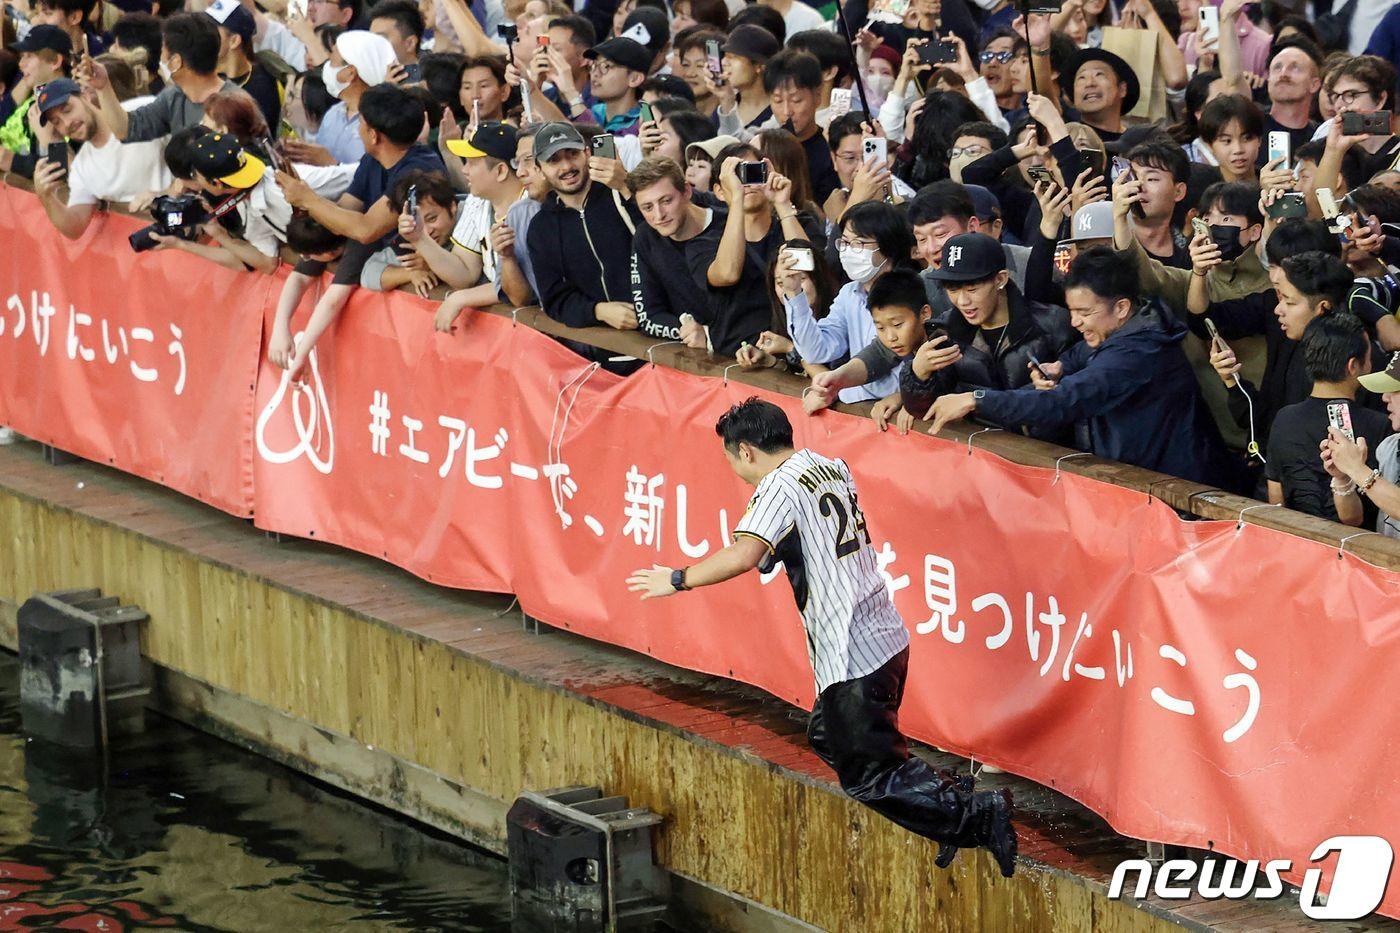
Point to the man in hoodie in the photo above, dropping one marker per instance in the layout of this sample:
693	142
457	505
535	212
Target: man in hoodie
1128	389
580	242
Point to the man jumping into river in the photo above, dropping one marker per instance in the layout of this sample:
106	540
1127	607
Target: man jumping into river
804	513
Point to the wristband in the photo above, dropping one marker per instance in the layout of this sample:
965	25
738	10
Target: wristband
1346	490
1366	484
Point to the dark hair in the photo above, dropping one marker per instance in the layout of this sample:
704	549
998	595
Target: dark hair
492	63
756	423
1332	341
944	198
670	87
581	31
9	68
139	31
1374	199
306	235
695	37
713	13
1371	70
1308	46
236	111
848	124
934	132
195	38
328	33
1186	129
885	224
822	279
744	152
1311	151
1304	26
830	49
657	22
315	99
1170	16
764	17
1233	197
690	127
1165	155
800	69
1319	276
992	133
442	76
1219	113
66	6
179	150
1106	273
1062	49
1297	235
902	288
392	111
789	158
433	186
405	15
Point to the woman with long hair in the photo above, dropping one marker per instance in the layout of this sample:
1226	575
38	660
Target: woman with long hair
784	153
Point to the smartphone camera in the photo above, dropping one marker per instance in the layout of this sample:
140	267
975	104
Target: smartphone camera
603	146
802	259
1366	124
938	53
753	173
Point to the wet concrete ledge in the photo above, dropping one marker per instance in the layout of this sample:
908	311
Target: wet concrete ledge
440	705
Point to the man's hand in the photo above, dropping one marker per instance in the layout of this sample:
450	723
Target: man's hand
409	228
1273	175
1205	254
911	117
297	192
609	172
1043	111
885	409
448	127
47	176
651	583
1089	188
869	183
142	202
1348	456
502	237
1368	237
1222	360
619	315
1337	140
280	346
651	136
903	421
1053	372
395	74
751	357
1127	191
693	333
933	355
299	150
722	88
423	281
1039	29
91	76
963	65
821	393
445	320
948	408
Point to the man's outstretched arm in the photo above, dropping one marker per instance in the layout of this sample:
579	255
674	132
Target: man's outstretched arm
739	558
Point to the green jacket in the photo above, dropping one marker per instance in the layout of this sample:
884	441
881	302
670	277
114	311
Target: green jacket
1234	279
14	133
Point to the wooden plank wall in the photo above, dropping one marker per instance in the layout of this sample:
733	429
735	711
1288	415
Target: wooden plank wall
741	825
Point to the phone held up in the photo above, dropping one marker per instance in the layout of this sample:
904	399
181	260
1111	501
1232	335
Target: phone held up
603	146
802	259
1366	124
938	53
875	149
752	173
1339	417
57	153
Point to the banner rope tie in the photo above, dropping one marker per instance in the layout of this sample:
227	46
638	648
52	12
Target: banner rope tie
1239	520
1060	461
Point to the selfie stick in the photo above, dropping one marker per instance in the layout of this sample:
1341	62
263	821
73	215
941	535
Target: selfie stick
1030	49
855	65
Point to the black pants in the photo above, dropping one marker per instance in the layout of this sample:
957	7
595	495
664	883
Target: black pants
855	729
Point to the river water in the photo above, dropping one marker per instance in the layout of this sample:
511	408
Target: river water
191	833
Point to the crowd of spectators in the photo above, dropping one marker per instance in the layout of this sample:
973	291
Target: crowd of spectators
1166	233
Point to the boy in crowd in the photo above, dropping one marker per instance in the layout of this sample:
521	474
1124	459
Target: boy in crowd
427	208
401	24
1163	170
237	62
619	66
45	55
1338	354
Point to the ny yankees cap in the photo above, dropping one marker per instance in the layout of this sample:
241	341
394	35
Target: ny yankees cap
1092	222
970	257
492	138
554	138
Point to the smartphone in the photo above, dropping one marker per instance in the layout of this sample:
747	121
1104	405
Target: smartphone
938	53
1039	370
603	146
753	173
1121	167
1327	203
1215	337
1366	124
1339	417
57	153
648	115
542	41
1200	226
803	260
714	58
1064	256
412	202
840	103
1280	146
875	149
1290	204
899	7
1209	27
1046	7
1039	173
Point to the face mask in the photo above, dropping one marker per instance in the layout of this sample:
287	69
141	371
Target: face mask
334	86
165	73
1227	237
859	265
879	87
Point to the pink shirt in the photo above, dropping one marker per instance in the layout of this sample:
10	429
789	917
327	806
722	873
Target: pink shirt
1254	47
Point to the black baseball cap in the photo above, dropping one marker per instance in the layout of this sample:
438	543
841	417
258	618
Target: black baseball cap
629	53
752	42
54	94
1121	68
45	37
221	157
493	139
970	257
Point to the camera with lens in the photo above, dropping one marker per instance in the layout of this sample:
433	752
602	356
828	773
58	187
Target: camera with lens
178	216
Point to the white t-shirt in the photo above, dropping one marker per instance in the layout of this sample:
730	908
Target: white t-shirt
801	18
266	214
118	171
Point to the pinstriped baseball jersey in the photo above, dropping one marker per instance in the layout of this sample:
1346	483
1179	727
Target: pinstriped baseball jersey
805	511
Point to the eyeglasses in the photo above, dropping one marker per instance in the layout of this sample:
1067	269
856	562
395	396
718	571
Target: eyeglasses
966	150
1003	57
601	68
845	246
1347	98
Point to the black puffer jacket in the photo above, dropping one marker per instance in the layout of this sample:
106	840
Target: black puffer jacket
1032	329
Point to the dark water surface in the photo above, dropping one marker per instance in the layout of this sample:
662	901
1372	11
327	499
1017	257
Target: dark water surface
191	833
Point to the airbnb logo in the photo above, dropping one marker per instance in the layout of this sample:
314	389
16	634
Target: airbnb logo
310	419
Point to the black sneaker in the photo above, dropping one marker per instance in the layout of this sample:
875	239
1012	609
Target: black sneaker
946	853
1000	832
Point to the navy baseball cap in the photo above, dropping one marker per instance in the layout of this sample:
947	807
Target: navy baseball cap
970	257
43	38
232	15
54	94
984	204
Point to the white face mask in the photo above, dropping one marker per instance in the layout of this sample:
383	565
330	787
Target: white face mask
880	85
334	86
165	74
859	265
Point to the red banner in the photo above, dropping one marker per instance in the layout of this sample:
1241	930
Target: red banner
1073	632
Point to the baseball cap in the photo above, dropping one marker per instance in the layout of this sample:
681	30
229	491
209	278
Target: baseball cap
232	15
984	204
54	94
752	42
1121	68
553	138
41	38
1387	381
629	53
220	156
1092	222
649	26
1135	136
970	257
493	139
370	54
712	147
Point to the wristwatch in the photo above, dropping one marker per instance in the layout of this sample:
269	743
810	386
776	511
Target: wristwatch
977	396
678	580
